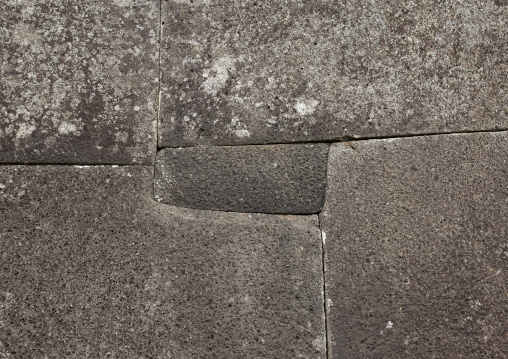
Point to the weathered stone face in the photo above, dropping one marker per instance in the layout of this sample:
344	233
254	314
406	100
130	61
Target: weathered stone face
266	179
415	247
91	266
243	99
79	81
247	72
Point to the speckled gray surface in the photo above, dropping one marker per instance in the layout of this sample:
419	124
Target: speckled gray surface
267	179
415	244
79	81
92	267
414	229
247	72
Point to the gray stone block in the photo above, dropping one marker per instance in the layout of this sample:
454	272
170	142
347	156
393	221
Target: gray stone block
415	246
92	267
245	72
79	81
266	179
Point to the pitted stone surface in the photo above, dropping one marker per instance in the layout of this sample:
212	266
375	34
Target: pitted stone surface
244	72
415	246
92	267
79	81
266	179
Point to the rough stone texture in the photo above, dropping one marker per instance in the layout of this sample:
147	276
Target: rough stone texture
92	267
266	179
79	81
416	251
244	72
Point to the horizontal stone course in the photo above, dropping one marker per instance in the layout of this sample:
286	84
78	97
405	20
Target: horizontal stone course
246	72
266	179
92	267
415	247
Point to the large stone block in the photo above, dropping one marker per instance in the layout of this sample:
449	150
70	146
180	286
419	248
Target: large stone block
415	244
266	179
247	72
79	81
92	267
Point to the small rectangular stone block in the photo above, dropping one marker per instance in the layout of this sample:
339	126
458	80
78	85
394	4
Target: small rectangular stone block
256	72
266	179
79	81
415	236
92	267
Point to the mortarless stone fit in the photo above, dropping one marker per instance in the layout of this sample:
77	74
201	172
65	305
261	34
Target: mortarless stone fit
268	179
366	142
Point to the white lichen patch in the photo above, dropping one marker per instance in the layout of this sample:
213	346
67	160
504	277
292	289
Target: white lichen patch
242	133
271	121
238	128
25	35
193	2
24	130
66	128
271	83
306	107
218	74
123	2
319	344
121	136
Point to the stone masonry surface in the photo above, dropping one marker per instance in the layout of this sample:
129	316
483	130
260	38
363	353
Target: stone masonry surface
268	179
79	81
390	245
92	267
416	247
251	72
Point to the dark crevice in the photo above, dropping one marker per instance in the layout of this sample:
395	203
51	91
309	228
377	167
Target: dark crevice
160	79
73	164
323	273
346	139
322	236
237	212
158	98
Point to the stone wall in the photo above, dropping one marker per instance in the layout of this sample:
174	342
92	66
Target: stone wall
253	179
